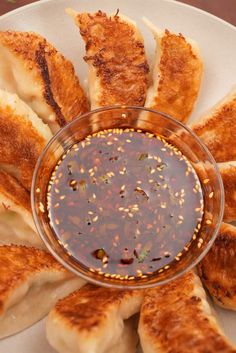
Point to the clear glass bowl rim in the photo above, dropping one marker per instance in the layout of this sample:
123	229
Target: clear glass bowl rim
120	285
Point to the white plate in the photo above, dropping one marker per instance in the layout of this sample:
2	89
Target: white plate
215	37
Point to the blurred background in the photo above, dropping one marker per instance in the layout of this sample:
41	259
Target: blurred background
225	9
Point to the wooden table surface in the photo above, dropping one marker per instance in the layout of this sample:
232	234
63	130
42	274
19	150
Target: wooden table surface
226	9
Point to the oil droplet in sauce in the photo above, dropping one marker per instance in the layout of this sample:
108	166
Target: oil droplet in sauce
125	203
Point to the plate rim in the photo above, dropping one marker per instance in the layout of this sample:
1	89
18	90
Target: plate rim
217	20
176	2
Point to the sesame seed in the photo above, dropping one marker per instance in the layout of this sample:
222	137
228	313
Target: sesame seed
73	182
206	181
41	207
208	221
211	195
163	205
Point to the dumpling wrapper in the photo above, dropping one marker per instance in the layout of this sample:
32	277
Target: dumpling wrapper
91	319
42	77
217	129
177	74
31	282
176	317
118	68
23	136
217	269
129	339
228	175
16	222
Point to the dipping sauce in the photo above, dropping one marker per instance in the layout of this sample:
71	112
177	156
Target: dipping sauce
125	204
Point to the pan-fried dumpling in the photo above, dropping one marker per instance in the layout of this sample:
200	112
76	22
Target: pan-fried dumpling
217	269
177	74
228	174
16	222
42	77
31	282
22	138
91	319
177	318
217	129
118	69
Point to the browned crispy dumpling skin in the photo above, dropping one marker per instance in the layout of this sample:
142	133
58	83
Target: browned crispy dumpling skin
31	67
118	69
91	319
217	269
31	282
177	74
176	318
22	138
12	195
228	174
217	129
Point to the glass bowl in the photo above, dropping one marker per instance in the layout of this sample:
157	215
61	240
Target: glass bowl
148	120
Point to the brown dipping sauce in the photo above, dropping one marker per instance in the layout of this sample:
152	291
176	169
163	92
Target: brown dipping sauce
125	203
